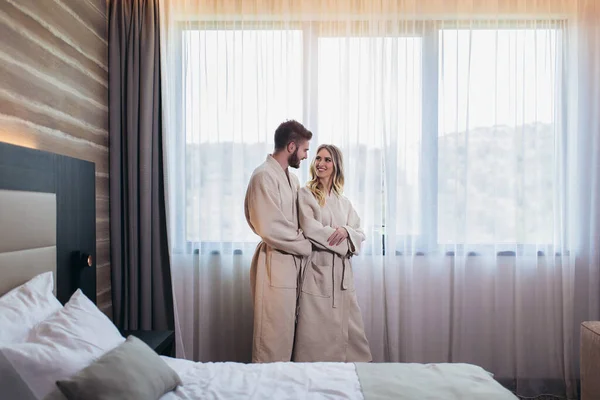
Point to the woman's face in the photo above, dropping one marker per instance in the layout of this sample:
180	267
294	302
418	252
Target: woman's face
324	164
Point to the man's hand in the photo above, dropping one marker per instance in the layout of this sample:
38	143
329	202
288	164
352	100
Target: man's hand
338	236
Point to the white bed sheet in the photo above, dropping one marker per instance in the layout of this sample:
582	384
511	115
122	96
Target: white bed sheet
216	381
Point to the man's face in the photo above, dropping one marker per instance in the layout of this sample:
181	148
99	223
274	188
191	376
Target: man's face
299	153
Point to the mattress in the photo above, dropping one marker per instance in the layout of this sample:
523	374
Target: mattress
332	381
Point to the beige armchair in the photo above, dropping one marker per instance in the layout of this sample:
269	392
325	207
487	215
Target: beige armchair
590	360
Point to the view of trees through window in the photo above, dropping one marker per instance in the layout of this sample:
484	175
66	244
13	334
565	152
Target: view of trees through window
471	120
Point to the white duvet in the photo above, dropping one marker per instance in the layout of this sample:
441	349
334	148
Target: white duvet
309	381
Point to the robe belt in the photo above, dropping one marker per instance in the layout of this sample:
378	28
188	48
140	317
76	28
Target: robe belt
300	282
344	281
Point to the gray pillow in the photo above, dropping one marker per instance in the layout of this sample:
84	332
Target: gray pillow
130	371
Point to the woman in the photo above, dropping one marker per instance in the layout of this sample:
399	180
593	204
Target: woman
330	326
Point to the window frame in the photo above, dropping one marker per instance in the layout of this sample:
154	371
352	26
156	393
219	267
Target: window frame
427	241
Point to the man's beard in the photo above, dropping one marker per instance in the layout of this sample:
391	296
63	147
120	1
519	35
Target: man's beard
293	160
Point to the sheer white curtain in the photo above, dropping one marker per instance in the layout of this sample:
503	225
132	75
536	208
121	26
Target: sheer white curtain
470	134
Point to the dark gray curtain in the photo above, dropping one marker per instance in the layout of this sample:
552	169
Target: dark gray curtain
141	274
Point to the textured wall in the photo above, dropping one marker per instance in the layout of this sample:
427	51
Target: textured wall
54	93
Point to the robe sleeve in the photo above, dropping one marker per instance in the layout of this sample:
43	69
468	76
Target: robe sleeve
268	221
314	230
355	233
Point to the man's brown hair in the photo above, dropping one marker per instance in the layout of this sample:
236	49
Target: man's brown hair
290	131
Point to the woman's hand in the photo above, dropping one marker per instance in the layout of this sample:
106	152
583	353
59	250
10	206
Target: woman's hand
338	236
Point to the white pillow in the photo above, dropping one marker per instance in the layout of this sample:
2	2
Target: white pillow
25	306
11	382
63	344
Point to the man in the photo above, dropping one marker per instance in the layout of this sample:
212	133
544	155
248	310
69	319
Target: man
271	212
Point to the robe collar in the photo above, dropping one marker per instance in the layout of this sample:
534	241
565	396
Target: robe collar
272	162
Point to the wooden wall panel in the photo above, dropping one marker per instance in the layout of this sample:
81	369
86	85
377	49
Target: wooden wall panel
54	94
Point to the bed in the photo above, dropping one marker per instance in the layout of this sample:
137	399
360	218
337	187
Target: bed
56	335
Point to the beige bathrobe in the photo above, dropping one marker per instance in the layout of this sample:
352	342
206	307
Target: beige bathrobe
271	212
330	325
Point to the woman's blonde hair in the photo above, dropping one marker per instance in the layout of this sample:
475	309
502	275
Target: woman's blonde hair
315	186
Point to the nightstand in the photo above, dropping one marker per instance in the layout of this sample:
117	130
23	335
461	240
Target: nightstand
161	342
589	360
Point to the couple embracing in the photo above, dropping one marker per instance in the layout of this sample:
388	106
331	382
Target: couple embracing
305	305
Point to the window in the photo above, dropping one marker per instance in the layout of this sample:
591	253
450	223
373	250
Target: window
456	134
505	142
389	93
236	107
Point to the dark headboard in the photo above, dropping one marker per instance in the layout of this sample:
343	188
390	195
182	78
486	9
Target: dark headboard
73	182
